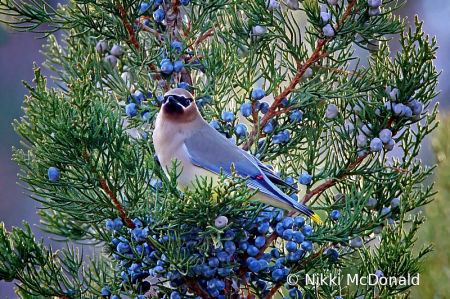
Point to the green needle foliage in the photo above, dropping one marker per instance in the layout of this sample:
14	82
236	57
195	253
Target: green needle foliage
328	127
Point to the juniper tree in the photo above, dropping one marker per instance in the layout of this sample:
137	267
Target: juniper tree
286	93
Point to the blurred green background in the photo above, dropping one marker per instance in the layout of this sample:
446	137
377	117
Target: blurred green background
18	51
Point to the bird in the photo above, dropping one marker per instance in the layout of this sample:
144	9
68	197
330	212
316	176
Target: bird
181	133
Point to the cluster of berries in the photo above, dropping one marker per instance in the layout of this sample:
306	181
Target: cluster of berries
411	110
113	54
374	7
136	99
159	14
239	256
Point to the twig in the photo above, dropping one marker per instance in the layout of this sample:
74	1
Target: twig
133	41
227	287
151	30
254	115
198	290
273	290
337	71
329	183
119	206
205	35
316	56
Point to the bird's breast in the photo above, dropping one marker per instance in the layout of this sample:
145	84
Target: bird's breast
169	146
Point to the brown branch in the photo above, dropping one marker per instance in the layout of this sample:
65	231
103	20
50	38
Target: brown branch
175	6
133	41
114	199
247	287
332	182
119	206
273	290
151	30
329	183
254	115
337	71
204	36
227	287
279	112
196	288
315	57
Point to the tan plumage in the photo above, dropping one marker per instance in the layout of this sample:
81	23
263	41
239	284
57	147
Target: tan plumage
181	133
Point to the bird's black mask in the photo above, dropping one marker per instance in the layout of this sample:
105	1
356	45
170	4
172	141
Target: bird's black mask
175	104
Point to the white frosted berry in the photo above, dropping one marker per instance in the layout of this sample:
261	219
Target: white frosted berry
389	105
338	196
362	153
272	4
349	127
391	222
378	229
373	45
374	11
371	203
325	17
359	38
394	94
292	4
374	3
418	108
116	51
112	60
376	145
358	108
332	111
385	135
389	146
243	51
367	129
221	222
398	109
406	111
361	140
102	47
259	30
328	30
308	73
394	202
411	103
386	211
357	242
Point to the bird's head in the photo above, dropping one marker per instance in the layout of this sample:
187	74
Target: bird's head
179	105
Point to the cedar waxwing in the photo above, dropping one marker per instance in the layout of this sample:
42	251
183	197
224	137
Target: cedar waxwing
181	133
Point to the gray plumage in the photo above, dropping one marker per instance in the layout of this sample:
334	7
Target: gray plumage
181	133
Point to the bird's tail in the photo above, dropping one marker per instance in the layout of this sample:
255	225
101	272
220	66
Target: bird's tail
308	212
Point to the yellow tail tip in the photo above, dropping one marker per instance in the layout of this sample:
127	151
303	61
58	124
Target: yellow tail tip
316	219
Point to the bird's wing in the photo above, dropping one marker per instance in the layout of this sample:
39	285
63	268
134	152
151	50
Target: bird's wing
273	176
208	149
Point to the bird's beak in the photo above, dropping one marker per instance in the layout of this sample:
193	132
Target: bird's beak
172	100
